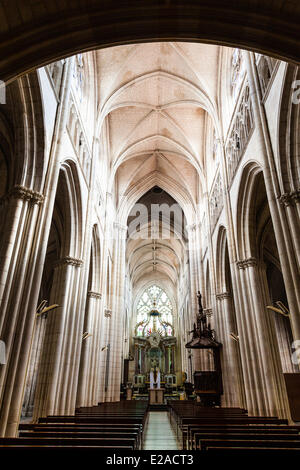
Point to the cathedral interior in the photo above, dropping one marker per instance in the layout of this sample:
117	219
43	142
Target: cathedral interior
150	233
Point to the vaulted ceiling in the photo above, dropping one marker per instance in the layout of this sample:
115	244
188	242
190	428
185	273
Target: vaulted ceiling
156	240
156	101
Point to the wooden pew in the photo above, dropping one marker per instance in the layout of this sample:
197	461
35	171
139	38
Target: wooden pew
250	444
83	431
195	425
111	425
194	433
199	438
60	441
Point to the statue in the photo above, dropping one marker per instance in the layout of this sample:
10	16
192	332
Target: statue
154	375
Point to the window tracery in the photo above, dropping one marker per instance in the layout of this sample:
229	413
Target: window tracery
216	201
265	67
240	133
78	76
237	71
154	312
55	71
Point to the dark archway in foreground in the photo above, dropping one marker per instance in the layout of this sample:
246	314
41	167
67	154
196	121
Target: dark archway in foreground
33	34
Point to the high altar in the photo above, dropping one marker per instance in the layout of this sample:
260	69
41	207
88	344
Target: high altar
154	354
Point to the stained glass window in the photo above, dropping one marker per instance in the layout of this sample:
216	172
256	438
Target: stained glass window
154	298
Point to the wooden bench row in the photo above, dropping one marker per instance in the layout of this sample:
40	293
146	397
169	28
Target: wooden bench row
216	429
114	425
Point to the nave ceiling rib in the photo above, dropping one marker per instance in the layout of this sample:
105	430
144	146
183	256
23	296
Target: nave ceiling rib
156	102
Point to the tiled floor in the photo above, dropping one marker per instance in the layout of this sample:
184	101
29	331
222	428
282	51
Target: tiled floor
159	434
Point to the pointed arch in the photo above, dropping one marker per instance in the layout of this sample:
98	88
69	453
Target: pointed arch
22	133
69	209
220	260
245	229
172	187
288	131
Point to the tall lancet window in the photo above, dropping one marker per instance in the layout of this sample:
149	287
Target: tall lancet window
154	313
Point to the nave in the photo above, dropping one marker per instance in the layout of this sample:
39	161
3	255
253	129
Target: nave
149	239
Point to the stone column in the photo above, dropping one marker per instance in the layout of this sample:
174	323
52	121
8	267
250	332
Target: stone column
20	237
289	256
118	310
267	387
18	297
173	359
193	251
86	394
291	203
251	356
34	360
103	351
136	358
94	363
61	342
231	373
143	370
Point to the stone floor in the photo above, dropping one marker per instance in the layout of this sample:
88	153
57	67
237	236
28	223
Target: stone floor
159	434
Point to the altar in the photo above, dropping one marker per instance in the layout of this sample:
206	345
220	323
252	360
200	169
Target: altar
156	396
154	354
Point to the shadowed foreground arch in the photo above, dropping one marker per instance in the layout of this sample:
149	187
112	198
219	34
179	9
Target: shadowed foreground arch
36	33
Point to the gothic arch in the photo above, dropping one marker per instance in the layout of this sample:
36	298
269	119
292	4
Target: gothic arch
288	132
172	187
221	265
245	231
69	197
95	261
22	134
164	286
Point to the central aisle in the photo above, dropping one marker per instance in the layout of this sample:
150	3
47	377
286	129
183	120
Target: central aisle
159	434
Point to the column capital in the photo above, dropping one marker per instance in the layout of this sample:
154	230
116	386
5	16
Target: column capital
94	295
223	295
247	263
68	260
26	194
296	196
288	199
